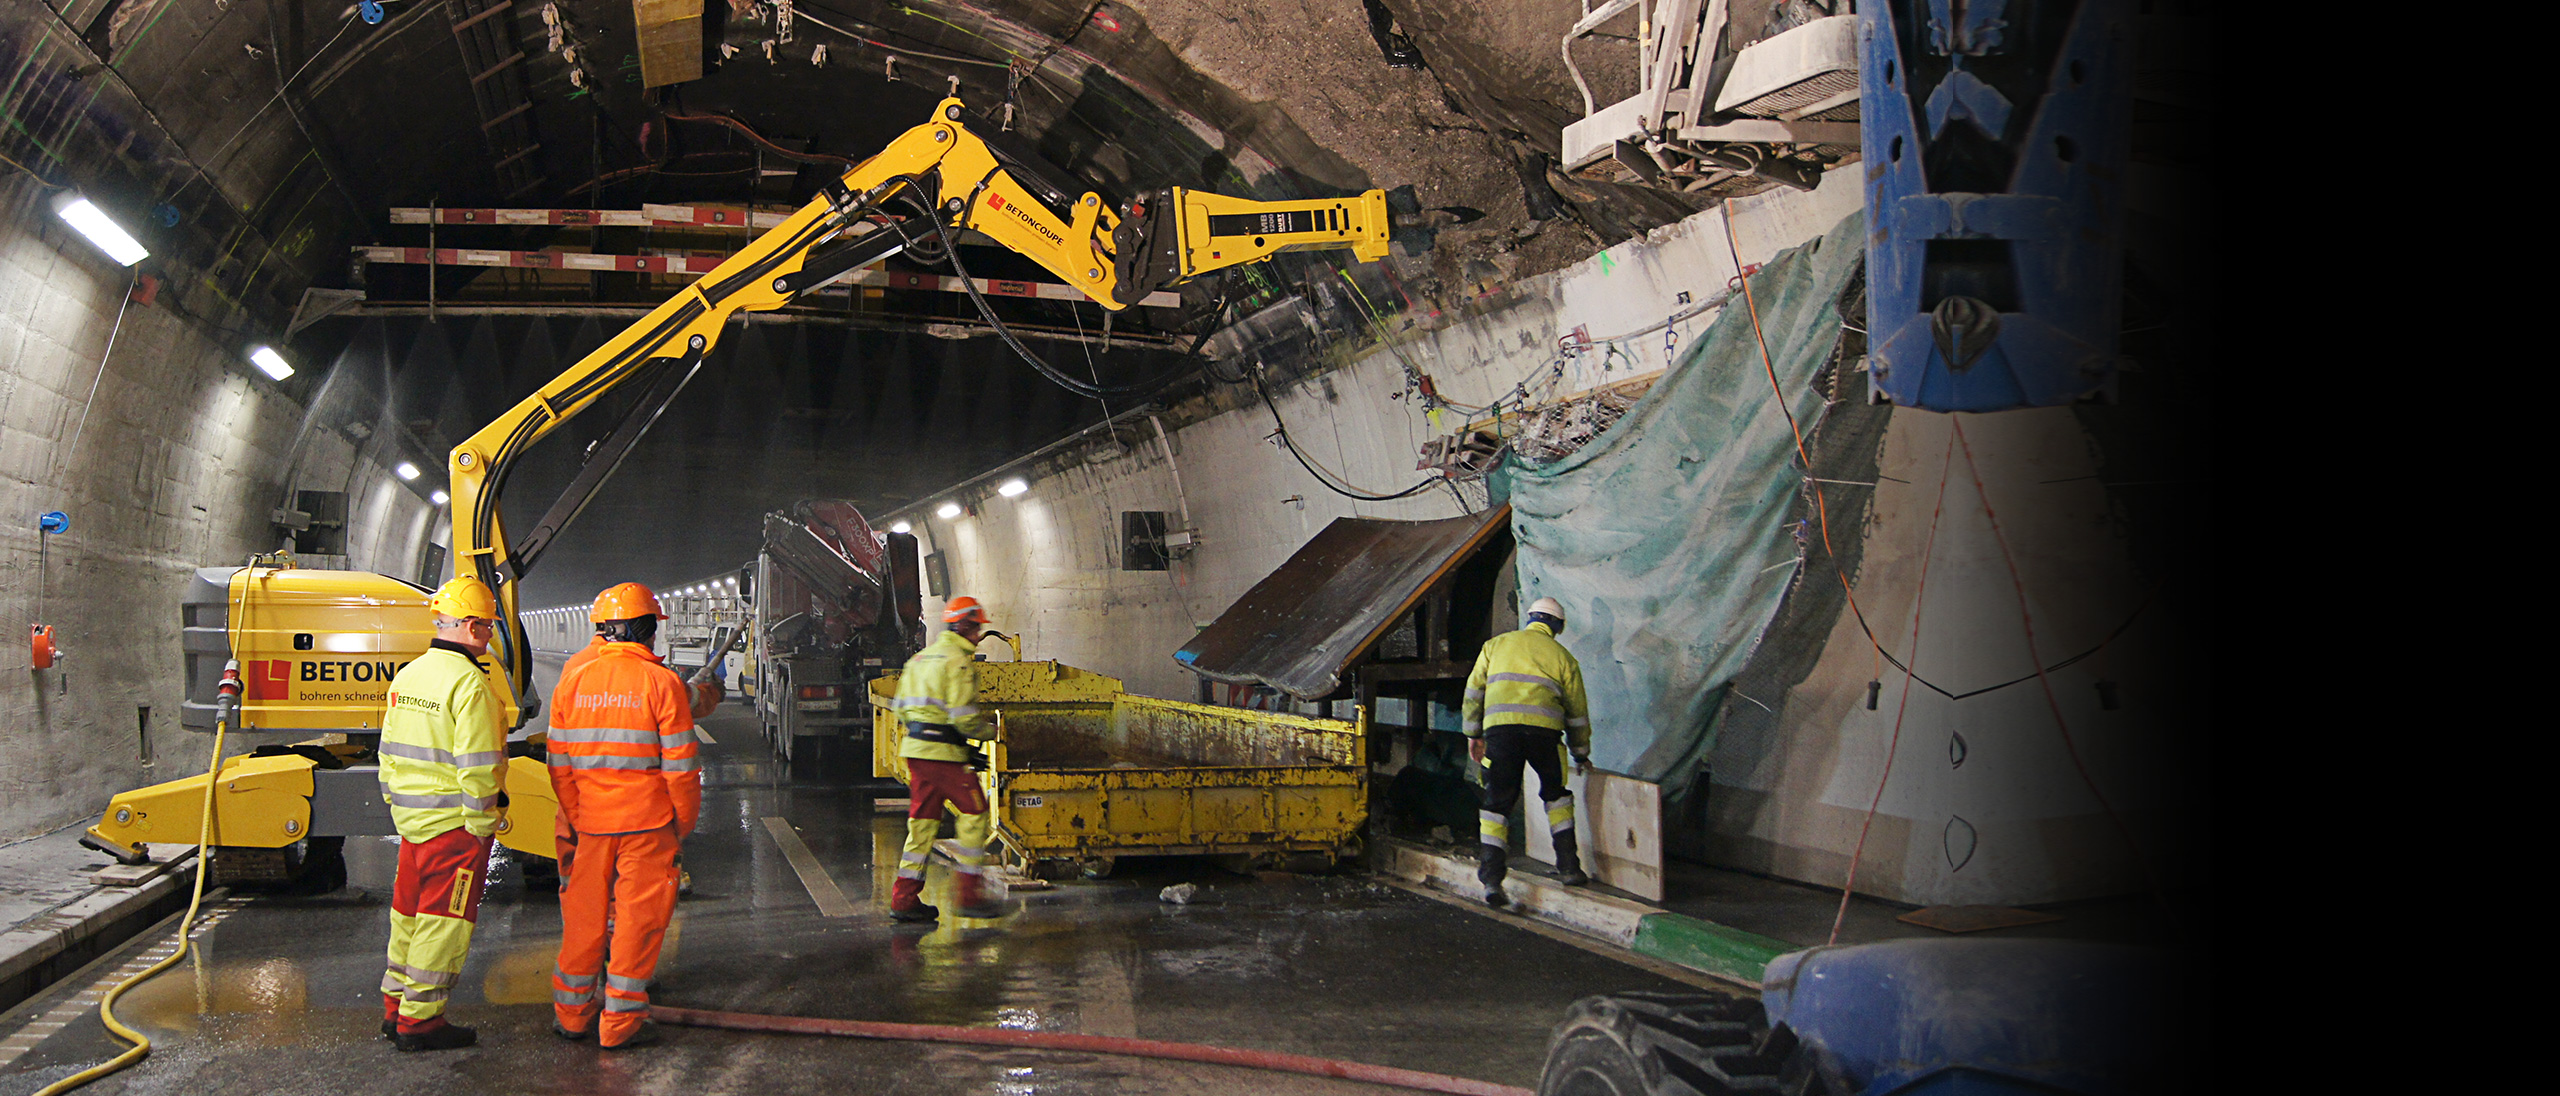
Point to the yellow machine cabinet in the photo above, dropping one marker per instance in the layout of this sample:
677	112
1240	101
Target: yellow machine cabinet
317	649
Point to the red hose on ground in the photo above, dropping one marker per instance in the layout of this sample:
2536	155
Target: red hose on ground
1091	1044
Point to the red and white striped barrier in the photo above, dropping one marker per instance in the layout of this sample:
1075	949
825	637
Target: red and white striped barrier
704	264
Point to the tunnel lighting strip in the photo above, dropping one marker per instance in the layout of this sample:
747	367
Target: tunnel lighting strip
704	264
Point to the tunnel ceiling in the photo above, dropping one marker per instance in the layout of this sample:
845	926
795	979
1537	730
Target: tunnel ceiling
532	104
487	103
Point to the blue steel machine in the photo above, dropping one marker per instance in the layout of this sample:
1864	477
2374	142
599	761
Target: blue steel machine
1996	135
1906	1018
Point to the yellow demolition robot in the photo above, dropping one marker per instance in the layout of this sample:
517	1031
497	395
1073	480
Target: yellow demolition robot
319	647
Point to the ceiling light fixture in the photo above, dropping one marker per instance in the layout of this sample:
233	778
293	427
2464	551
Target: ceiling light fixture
440	498
405	470
102	230
902	528
271	363
948	511
1012	487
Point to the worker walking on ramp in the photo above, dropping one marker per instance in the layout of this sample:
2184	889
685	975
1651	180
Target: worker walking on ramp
938	702
443	750
628	773
1523	705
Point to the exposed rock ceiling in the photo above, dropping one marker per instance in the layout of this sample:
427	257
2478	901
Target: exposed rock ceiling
534	104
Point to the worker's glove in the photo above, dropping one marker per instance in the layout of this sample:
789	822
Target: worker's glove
977	760
1582	763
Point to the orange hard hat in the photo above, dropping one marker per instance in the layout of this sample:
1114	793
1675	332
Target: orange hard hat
960	609
628	601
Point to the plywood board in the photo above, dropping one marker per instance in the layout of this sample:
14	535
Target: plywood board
1618	822
670	40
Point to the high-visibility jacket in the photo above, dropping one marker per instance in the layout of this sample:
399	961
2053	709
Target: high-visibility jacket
939	688
1526	677
443	748
623	755
581	657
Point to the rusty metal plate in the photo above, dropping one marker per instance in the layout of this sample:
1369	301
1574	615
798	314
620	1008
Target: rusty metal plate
1300	627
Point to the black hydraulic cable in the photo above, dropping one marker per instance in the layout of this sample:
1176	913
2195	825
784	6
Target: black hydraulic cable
1291	444
1081	388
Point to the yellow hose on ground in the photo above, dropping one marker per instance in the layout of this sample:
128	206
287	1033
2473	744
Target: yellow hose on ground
107	1008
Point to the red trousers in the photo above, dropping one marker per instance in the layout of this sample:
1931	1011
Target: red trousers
435	901
932	788
629	880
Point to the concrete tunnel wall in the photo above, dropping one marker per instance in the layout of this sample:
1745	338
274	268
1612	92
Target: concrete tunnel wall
1788	787
175	464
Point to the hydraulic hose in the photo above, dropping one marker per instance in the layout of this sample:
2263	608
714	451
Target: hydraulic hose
1088	1044
107	1008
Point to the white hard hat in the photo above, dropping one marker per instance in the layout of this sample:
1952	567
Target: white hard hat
1548	606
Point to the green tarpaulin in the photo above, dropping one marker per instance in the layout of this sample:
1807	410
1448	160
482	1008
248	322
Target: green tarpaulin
1666	537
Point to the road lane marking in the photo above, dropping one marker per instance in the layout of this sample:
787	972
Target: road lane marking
822	889
704	736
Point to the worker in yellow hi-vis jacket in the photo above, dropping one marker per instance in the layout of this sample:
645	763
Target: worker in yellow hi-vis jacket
1523	706
938	704
443	750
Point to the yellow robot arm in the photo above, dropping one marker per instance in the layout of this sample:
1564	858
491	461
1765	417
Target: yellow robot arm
937	176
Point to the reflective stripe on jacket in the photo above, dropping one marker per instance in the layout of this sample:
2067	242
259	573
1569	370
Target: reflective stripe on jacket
442	747
1526	677
623	754
940	687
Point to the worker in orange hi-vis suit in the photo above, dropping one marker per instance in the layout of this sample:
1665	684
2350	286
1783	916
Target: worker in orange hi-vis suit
626	768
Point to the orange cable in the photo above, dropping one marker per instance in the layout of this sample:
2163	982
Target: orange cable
1902	707
2027	618
1822	515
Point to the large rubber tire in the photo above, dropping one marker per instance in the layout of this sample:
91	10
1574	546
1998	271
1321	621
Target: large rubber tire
1662	1044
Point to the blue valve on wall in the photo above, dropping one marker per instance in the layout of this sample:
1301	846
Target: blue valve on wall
40	636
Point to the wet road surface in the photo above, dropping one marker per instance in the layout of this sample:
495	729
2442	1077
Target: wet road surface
282	995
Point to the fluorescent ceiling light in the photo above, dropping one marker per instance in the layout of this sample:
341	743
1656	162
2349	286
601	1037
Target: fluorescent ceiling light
902	527
1012	487
405	470
948	511
440	498
101	230
271	363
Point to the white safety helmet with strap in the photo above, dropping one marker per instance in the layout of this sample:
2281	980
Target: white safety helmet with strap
1550	608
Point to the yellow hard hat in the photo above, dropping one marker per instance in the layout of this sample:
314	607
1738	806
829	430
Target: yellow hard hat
464	599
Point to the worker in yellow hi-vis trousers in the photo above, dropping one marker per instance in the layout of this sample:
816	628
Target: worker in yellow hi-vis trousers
938	703
443	749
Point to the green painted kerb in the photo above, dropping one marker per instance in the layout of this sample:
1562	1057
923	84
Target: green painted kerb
1707	946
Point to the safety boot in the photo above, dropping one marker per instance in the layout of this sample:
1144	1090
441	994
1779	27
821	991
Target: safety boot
915	913
1494	897
443	1036
974	901
1569	861
645	1035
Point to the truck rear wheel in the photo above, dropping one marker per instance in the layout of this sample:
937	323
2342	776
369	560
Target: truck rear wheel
1662	1044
